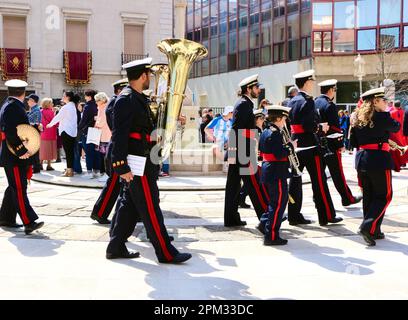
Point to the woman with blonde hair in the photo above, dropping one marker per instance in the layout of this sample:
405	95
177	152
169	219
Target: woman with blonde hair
48	147
371	126
102	100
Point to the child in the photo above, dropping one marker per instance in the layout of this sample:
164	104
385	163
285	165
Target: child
275	171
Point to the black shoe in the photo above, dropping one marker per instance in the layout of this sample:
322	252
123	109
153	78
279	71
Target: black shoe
277	242
240	223
124	255
100	220
10	224
32	227
300	220
178	258
335	220
284	218
244	205
367	237
50	168
261	228
379	236
347	203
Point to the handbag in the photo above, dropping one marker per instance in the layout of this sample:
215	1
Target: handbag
94	136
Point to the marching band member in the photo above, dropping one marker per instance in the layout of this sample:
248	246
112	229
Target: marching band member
305	126
275	172
131	135
328	113
15	198
371	126
243	132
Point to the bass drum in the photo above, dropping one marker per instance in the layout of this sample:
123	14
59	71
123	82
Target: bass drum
30	137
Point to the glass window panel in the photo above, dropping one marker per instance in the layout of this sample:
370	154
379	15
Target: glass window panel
317	41
303	46
278	8
197	69
305	5
292	6
223	45
322	15
279	29
233	42
266	5
389	38
197	35
223	16
266	33
253	6
366	39
343	40
214	30
254	37
214	48
204	33
293	50
205	15
327	41
242	62
305	24
223	64
232	62
367	13
344	14
405	14
253	58
406	36
197	14
214	13
243	39
189	35
214	66
293	24
309	47
205	68
190	15
390	11
266	55
278	52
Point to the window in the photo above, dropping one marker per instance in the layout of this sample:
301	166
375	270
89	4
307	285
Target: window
343	40
14	32
389	38
405	14
190	15
305	5
223	16
344	14
134	41
406	36
292	5
293	37
317	41
366	39
305	47
279	52
367	13
77	37
197	14
327	41
232	52
322	15
278	8
322	41
390	11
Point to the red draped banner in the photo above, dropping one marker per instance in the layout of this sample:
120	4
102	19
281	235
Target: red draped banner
77	67
14	63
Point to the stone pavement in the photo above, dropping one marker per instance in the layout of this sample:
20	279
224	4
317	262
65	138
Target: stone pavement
66	257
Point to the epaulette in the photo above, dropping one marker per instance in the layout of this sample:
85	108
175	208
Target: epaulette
308	97
126	92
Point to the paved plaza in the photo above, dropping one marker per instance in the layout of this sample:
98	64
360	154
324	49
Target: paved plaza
66	258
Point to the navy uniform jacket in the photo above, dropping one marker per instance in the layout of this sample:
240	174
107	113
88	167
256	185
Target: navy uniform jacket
131	114
271	142
405	128
378	134
12	114
328	113
88	118
303	112
243	118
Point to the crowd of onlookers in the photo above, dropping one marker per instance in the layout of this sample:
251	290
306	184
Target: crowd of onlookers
65	125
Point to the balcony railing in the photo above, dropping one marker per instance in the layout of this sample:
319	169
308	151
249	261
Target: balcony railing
127	57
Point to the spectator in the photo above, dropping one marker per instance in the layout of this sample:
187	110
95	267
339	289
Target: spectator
347	128
88	121
67	119
206	119
292	92
48	148
102	100
78	145
262	106
34	117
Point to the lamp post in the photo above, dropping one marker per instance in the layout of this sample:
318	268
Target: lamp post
359	71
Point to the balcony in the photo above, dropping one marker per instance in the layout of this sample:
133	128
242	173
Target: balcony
127	57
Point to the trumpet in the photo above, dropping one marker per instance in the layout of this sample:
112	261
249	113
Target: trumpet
293	158
395	146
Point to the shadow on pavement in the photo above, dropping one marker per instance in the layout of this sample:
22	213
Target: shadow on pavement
32	249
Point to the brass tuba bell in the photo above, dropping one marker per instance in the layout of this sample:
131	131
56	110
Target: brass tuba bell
181	54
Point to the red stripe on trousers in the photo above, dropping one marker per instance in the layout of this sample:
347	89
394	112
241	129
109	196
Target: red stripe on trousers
319	177
153	218
256	187
389	192
349	195
20	196
108	195
277	210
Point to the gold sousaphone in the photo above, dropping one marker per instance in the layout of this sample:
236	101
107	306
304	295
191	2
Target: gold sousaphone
30	138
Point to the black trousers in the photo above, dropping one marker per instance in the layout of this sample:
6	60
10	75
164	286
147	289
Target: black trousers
312	160
278	193
15	200
377	195
141	198
68	144
109	194
335	166
37	167
255	191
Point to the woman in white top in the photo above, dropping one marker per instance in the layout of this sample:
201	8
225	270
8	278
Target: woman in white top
67	119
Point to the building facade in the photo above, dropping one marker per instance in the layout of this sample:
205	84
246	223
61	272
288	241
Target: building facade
109	33
278	38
